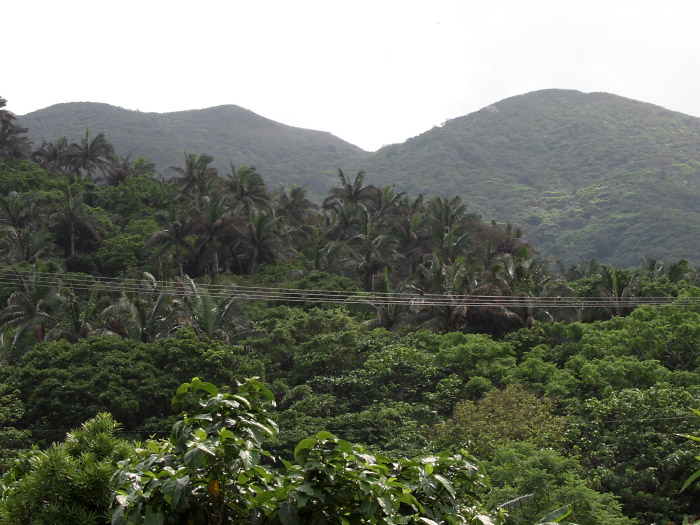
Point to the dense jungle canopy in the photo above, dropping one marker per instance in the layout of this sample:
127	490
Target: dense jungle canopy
372	357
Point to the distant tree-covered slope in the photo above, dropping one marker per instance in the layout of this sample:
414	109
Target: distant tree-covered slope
283	154
587	175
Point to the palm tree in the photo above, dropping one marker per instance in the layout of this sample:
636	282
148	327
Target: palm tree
90	155
217	316
295	207
29	309
262	242
370	250
350	190
28	245
394	315
449	219
386	204
53	157
146	315
174	240
527	279
296	213
78	317
118	169
343	221
321	254
197	176
410	228
17	210
24	241
212	220
13	142
452	282
342	203
74	218
247	188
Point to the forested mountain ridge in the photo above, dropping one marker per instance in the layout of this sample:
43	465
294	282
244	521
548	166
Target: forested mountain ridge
592	175
285	154
586	175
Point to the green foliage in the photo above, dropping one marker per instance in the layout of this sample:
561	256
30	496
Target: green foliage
552	480
696	474
626	443
62	383
502	416
68	483
213	469
120	254
210	469
12	440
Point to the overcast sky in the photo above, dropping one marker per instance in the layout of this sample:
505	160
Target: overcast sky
370	72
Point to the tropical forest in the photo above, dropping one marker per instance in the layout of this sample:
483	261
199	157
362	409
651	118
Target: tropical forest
496	322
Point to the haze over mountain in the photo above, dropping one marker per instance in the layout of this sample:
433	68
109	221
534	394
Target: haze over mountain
586	175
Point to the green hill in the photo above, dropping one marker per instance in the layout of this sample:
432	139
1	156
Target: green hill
585	175
283	154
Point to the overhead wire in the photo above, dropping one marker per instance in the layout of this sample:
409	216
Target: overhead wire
14	278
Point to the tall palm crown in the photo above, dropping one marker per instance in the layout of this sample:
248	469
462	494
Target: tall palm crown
212	220
197	175
118	169
247	188
173	240
73	217
53	157
13	142
88	156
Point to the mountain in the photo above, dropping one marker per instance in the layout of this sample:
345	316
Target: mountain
585	175
282	154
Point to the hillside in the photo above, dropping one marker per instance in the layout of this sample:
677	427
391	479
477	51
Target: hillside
585	175
283	154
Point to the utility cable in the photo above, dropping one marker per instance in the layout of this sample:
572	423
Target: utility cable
254	293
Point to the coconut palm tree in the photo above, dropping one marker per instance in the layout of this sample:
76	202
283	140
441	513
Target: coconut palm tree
215	315
174	240
321	254
448	224
247	189
146	315
53	157
197	177
78	317
118	169
350	190
411	229
30	308
370	251
212	220
27	245
262	242
452	282
74	219
13	142
88	156
17	210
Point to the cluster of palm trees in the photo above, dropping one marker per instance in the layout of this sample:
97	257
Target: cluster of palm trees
214	225
47	308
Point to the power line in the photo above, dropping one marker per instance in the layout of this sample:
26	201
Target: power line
267	293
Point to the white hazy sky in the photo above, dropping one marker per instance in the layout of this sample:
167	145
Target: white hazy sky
370	72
